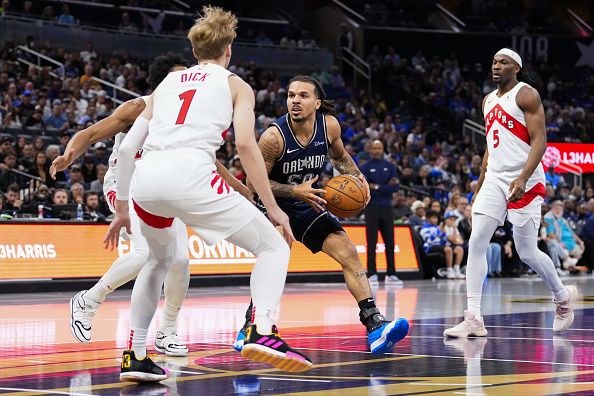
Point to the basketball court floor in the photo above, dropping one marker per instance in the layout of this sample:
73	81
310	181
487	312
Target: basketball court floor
521	356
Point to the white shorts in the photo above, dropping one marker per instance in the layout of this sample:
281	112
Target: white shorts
184	184
492	200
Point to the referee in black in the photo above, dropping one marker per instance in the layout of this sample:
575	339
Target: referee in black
383	182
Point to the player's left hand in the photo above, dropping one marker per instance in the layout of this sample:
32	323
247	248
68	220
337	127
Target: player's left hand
517	189
113	233
366	185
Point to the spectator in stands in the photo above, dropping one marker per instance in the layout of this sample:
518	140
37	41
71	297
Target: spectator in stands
60	197
36	120
126	25
435	240
89	116
306	41
65	18
400	209
48	13
77	193
40	197
75	175
461	205
262	38
417	219
236	169
97	184
88	53
12	201
560	232
27	158
345	37
587	235
91	204
57	120
52	151
89	172
153	25
28	8
455	241
41	169
7	176
100	154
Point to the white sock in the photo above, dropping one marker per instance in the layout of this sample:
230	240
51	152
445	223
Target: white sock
483	228
270	271
526	239
124	269
137	342
457	268
168	323
176	281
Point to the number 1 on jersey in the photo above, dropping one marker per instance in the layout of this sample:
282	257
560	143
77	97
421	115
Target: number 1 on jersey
183	112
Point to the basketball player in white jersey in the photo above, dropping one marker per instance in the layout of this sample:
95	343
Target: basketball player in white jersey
512	184
177	178
85	303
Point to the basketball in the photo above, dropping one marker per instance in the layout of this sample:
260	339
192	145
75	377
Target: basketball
345	196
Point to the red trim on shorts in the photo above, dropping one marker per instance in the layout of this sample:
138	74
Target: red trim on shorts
224	134
537	191
152	219
519	130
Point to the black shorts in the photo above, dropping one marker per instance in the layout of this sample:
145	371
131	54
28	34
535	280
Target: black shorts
312	231
437	249
309	227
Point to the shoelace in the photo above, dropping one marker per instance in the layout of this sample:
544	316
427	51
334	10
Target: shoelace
86	315
561	311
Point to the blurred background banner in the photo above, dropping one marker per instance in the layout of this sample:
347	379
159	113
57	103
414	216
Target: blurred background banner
60	251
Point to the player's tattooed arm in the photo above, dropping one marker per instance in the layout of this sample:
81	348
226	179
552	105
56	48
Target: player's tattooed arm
272	146
341	160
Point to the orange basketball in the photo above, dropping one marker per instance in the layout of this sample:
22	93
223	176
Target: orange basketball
345	196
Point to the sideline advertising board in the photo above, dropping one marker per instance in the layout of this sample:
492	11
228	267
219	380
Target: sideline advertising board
60	251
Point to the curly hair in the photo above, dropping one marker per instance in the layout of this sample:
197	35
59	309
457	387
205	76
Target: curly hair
327	106
162	65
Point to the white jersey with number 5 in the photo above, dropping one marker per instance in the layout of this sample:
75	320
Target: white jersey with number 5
508	140
193	108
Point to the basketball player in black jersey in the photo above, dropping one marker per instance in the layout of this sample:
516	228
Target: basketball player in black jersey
294	148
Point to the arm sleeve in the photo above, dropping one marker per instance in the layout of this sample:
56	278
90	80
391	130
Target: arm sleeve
132	143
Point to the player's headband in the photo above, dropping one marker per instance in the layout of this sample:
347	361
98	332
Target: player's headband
512	54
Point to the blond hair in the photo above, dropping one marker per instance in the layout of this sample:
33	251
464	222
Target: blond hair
212	32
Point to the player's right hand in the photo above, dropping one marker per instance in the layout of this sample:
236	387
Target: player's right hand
113	233
61	162
280	218
307	193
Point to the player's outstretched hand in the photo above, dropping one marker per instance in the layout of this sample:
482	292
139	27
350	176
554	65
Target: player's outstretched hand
517	189
307	193
280	218
61	162
366	185
113	233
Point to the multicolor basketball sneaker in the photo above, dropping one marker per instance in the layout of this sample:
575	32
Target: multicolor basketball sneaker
271	349
382	335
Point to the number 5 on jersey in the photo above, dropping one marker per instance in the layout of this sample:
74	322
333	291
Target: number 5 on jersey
186	97
495	138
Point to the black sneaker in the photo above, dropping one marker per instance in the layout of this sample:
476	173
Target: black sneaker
271	349
144	370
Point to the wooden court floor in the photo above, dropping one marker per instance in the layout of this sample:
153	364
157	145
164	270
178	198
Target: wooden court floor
521	355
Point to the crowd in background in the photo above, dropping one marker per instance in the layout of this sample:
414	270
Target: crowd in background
437	170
